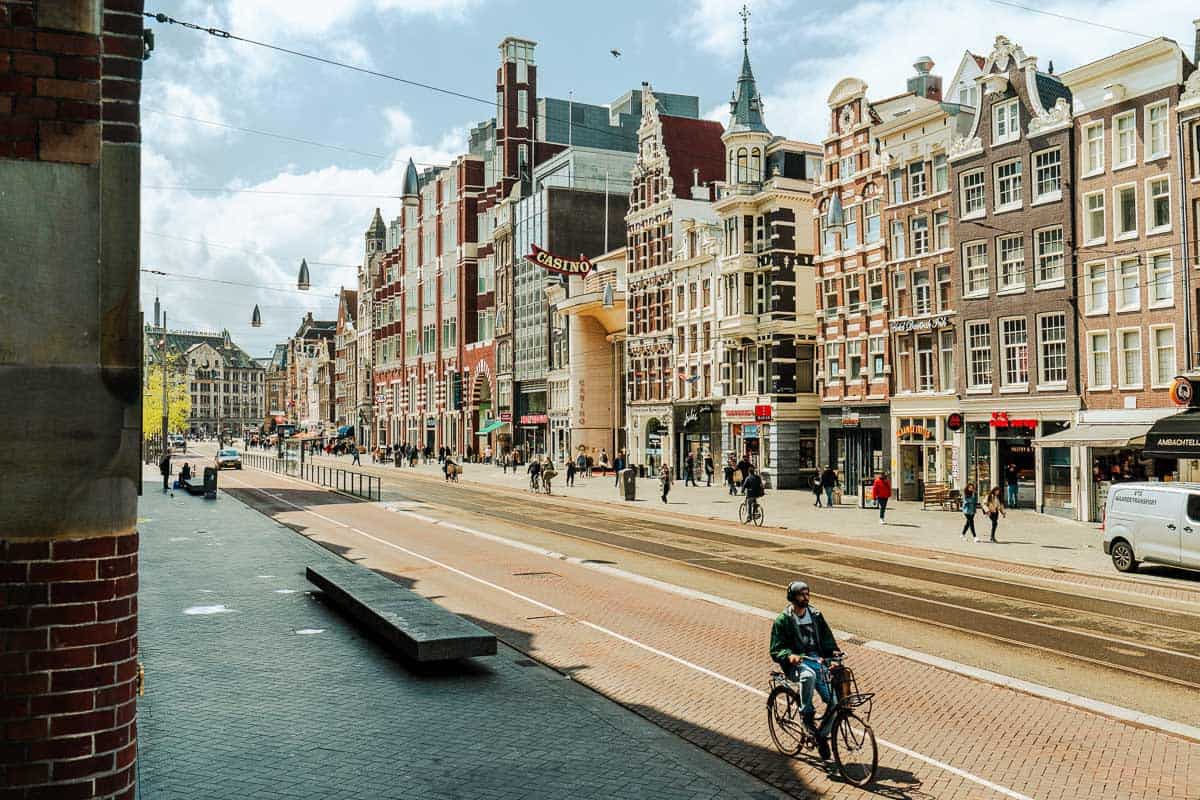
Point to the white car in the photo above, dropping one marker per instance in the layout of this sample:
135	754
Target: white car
229	458
1155	523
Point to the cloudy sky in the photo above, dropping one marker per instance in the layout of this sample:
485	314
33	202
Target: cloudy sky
245	208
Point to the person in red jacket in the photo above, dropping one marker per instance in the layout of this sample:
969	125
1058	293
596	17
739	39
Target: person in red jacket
881	490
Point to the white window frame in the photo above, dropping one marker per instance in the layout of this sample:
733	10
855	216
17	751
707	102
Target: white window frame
1086	212
1155	383
1088	140
1006	121
1151	228
1154	270
918	227
1094	382
918	186
963	193
1122	382
941	173
1006	384
1013	243
1118	161
1053	194
1118	209
941	230
1045	382
1120	272
979	348
1148	133
1091	271
1039	258
983	266
999	183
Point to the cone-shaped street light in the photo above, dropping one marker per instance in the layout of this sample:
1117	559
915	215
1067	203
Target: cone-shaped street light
303	282
256	318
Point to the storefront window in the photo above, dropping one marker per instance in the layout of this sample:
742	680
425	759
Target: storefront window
979	456
1056	473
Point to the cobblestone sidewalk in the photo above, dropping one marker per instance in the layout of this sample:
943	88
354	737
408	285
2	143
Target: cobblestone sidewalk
255	689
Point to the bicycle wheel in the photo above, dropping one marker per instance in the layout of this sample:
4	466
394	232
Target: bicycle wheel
742	511
854	749
783	719
758	514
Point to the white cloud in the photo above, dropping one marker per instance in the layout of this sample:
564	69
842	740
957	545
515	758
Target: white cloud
179	99
853	42
714	25
399	126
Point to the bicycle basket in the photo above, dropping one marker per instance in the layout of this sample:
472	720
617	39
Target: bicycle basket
841	678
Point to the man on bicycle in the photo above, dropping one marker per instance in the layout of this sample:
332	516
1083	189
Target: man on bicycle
753	488
800	642
535	474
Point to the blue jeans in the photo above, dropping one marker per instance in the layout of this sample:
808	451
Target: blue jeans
1012	495
829	496
810	674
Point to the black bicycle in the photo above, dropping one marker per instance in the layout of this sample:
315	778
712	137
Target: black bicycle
751	511
844	723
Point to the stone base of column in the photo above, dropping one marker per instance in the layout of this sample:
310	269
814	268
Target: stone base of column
68	667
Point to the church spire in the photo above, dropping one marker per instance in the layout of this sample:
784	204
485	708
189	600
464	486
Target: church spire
745	107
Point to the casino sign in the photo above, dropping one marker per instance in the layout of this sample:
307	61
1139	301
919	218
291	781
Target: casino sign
547	260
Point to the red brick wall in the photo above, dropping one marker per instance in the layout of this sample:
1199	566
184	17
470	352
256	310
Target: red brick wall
68	667
63	92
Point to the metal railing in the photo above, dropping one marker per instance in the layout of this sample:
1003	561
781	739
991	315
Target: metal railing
358	484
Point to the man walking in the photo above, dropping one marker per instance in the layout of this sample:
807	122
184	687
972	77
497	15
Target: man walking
709	468
618	467
1012	479
829	482
689	470
881	490
354	450
164	466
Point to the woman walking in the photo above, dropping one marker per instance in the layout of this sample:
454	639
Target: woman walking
664	477
970	505
994	508
816	489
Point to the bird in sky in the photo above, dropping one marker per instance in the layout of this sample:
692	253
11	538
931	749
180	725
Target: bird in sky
615	53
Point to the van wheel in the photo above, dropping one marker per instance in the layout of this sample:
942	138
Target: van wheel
1122	556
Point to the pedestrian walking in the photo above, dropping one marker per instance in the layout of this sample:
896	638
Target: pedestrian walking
829	482
994	508
664	478
881	490
816	489
689	470
618	467
709	467
354	450
603	460
1012	479
164	466
730	469
970	504
570	472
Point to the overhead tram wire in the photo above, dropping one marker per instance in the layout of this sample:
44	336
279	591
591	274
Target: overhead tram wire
236	249
264	287
271	192
1080	20
490	103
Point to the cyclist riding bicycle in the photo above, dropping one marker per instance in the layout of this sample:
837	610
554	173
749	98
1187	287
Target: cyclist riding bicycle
753	489
535	474
801	640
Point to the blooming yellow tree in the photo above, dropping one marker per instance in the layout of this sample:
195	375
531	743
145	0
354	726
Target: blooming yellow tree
179	402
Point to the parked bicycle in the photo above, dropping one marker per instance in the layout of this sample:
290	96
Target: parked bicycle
845	722
751	511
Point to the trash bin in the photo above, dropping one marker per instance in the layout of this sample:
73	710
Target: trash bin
629	484
210	483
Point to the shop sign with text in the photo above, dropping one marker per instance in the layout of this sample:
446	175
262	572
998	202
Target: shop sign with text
915	431
927	324
1000	419
534	419
762	413
547	260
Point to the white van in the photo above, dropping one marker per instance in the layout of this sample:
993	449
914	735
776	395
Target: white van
1158	523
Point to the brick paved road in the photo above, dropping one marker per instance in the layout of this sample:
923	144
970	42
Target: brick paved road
246	699
970	739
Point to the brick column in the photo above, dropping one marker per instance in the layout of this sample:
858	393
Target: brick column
70	388
69	667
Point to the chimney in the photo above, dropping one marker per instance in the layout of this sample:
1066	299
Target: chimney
157	312
1196	48
924	84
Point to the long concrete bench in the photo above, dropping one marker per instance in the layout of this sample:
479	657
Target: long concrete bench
418	628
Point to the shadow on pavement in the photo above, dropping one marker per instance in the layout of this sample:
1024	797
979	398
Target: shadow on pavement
301	497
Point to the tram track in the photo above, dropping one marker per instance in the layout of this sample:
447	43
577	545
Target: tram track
981	606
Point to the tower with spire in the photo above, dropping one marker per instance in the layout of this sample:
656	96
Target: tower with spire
747	136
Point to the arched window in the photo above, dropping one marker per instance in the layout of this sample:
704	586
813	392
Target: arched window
741	165
756	173
730	174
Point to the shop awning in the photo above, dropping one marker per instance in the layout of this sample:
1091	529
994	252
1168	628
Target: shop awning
1176	436
495	424
1097	434
345	430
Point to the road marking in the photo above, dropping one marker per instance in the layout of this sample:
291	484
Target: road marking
633	642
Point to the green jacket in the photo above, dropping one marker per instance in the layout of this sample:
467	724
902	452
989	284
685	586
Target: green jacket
785	641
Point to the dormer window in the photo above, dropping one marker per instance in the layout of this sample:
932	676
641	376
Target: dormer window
1006	122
